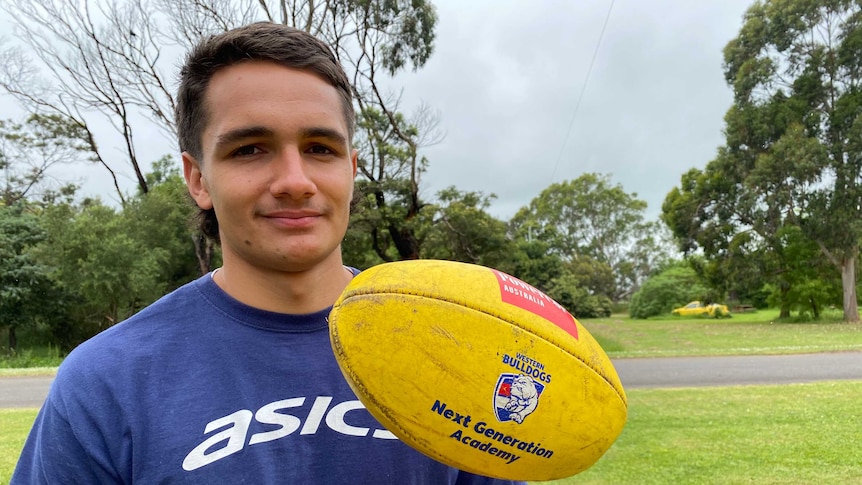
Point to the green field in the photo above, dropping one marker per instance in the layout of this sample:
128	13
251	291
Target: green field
790	434
14	425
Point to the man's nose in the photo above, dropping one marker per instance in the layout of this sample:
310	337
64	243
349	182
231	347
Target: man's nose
291	176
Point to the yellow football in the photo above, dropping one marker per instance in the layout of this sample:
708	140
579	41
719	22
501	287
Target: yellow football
477	369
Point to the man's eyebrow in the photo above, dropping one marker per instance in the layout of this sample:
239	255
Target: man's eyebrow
323	132
234	136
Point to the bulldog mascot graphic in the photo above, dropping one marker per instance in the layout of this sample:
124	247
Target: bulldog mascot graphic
516	397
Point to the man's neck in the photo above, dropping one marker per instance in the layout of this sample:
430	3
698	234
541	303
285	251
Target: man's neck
292	292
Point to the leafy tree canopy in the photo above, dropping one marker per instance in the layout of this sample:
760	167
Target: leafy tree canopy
591	217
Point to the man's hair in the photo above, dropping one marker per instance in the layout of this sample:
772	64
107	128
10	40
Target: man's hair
261	41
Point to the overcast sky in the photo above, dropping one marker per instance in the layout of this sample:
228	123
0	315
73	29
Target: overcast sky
506	76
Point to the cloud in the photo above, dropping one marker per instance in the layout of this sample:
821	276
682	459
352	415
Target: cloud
506	77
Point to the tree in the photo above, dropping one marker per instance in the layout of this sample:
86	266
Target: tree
455	226
462	230
24	281
737	236
533	262
591	217
806	285
103	265
650	253
162	218
97	60
28	151
96	260
571	291
389	169
799	62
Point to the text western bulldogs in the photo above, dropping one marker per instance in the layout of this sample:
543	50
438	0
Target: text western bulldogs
528	366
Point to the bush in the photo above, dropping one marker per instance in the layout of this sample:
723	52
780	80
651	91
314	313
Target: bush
566	291
660	294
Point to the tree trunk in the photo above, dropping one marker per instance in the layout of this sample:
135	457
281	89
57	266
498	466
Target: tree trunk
848	282
785	307
13	338
377	244
814	308
405	242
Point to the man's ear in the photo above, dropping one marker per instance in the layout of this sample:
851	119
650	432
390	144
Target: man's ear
353	159
197	184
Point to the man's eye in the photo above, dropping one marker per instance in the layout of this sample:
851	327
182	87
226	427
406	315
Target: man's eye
320	150
245	151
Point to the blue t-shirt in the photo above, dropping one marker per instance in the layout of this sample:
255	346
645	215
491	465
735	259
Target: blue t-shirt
200	388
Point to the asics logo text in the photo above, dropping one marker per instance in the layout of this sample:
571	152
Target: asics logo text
234	427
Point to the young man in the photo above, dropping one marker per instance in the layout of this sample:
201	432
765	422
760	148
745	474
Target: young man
231	378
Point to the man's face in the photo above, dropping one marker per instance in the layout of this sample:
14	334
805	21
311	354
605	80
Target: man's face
277	167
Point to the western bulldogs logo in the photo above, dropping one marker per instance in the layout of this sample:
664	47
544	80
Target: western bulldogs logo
516	397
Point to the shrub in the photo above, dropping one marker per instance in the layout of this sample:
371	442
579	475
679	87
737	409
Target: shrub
567	291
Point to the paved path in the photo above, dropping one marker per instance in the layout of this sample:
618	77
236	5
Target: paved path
23	392
738	370
29	392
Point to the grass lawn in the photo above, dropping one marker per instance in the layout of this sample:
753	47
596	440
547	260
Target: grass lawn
30	371
744	334
793	434
14	426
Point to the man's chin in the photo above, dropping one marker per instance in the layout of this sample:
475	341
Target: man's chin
298	261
